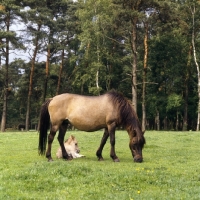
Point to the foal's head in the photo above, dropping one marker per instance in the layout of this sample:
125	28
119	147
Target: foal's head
73	144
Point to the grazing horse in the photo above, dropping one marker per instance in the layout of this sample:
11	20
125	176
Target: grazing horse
90	113
71	146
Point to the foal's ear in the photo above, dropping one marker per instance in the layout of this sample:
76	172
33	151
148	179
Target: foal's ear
72	137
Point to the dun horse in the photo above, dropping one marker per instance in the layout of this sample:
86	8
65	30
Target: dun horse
89	113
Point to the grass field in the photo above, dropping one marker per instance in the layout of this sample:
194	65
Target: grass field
171	168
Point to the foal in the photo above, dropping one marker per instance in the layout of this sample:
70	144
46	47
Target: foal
72	149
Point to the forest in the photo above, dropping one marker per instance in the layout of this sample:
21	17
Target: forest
146	49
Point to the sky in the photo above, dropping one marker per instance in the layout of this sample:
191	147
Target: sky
16	54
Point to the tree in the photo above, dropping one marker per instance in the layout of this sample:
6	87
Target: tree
189	23
129	16
9	11
193	8
35	18
94	19
66	33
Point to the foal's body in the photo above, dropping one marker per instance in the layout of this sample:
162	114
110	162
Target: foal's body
71	147
88	113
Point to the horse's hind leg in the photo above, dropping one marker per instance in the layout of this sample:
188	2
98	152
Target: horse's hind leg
103	142
61	136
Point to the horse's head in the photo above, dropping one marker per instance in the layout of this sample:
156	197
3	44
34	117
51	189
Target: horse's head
72	142
136	145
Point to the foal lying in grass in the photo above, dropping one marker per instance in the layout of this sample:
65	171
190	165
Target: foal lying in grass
71	146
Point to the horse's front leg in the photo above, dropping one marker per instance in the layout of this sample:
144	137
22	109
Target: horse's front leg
111	130
50	140
103	142
61	136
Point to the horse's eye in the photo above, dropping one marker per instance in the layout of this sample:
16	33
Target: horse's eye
76	144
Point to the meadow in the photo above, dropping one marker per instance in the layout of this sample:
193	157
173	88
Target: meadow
171	168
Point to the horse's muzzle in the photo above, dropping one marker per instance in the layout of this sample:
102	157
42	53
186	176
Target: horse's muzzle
138	159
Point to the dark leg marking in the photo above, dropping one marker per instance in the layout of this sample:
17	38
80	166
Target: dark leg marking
103	142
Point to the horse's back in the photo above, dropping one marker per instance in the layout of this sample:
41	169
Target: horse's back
86	113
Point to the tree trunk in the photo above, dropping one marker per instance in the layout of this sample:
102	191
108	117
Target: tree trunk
177	121
165	123
193	10
60	72
185	117
134	65
157	120
144	79
31	80
97	73
5	95
4	112
46	74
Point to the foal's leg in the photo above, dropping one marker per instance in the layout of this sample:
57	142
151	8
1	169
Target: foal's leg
103	142
50	140
61	136
111	130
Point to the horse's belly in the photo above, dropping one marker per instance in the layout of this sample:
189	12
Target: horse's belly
89	114
87	126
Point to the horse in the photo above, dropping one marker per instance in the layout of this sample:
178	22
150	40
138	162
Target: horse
71	146
90	113
21	127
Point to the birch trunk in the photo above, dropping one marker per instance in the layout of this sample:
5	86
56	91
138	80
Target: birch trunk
97	73
193	10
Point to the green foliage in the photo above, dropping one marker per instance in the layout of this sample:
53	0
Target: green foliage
97	40
174	101
170	169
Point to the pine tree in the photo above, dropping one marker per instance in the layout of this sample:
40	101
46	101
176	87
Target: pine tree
9	11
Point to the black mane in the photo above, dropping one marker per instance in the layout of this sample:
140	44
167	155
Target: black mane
128	116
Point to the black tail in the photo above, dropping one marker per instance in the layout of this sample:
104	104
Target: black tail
43	127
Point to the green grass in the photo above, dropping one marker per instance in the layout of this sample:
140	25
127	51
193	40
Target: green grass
171	168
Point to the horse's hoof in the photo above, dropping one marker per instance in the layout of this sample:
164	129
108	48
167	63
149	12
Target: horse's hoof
116	160
50	160
100	159
68	158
